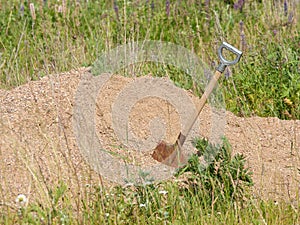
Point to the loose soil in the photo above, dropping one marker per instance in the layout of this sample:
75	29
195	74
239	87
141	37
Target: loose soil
38	146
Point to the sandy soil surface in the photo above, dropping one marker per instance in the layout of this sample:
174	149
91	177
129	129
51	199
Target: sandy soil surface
38	146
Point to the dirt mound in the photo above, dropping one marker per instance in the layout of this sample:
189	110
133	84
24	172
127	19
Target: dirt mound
38	146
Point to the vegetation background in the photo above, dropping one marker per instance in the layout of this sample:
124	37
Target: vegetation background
38	38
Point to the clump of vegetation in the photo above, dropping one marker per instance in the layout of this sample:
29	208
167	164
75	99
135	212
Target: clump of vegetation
204	191
212	194
220	176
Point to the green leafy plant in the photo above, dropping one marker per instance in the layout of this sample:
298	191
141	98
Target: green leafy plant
224	177
57	212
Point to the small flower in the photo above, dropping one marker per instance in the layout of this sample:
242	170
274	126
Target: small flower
147	183
60	9
239	5
106	215
227	73
168	7
129	184
21	200
32	11
207	3
285	7
22	10
290	18
163	192
166	214
241	23
213	64
116	9
243	39
288	101
143	205
109	195
152	6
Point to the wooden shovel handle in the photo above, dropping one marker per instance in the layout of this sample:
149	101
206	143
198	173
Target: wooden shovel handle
220	69
213	82
172	155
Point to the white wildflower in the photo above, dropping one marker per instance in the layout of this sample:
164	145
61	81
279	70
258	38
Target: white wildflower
166	214
21	200
147	183
163	192
129	184
142	205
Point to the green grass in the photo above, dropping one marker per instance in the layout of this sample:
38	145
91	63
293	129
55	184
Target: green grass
265	83
216	194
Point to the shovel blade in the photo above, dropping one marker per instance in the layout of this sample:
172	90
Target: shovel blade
170	155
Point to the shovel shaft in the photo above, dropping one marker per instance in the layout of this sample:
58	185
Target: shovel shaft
213	82
172	155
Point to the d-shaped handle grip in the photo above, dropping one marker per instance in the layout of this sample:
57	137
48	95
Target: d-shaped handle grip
224	62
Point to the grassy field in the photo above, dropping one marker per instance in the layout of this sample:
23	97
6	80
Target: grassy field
66	35
61	35
196	196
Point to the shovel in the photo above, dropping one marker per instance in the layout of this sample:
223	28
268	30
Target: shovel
172	155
